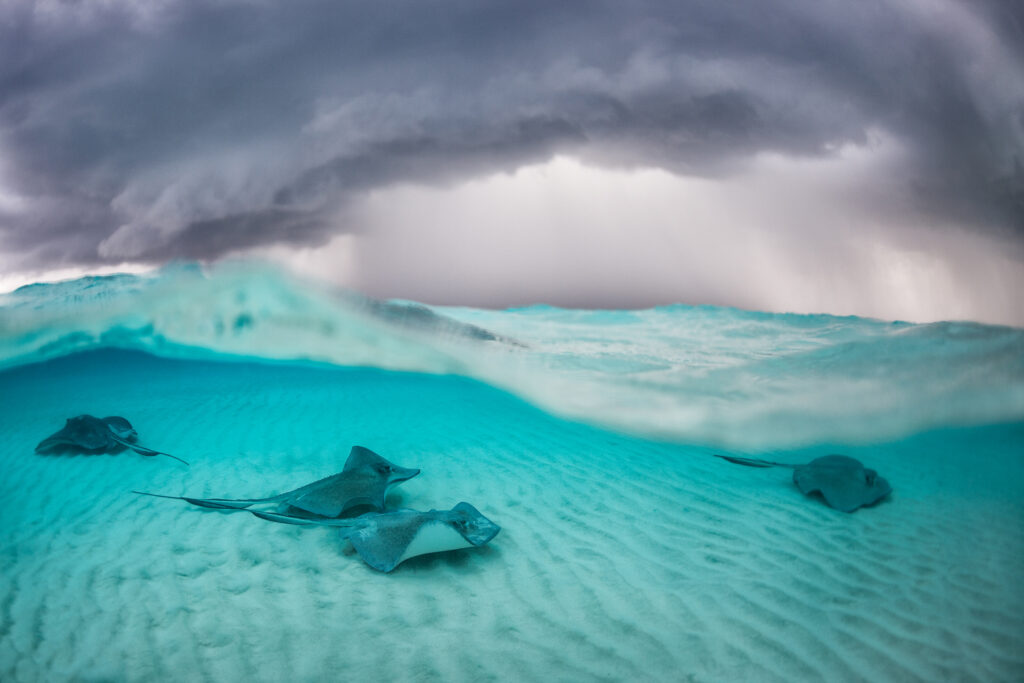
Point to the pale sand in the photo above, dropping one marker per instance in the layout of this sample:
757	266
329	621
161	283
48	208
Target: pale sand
618	559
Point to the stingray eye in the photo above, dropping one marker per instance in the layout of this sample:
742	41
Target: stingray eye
384	469
869	477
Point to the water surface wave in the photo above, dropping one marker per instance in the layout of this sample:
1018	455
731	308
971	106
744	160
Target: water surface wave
695	374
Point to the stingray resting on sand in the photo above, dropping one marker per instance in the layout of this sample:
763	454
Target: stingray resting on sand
89	434
385	540
364	482
842	481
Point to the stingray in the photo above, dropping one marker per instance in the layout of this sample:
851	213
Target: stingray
93	435
385	540
843	482
364	481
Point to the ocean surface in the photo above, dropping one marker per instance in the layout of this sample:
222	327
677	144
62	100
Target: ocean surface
627	551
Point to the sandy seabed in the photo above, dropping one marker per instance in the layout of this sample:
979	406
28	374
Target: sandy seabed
619	559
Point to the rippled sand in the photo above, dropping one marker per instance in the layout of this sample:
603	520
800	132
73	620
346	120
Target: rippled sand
619	559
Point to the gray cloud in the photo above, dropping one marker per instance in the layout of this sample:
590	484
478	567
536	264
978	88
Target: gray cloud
150	131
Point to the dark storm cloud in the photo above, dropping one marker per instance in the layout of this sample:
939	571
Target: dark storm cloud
148	131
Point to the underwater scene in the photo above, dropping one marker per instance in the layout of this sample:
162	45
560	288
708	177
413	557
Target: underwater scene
227	473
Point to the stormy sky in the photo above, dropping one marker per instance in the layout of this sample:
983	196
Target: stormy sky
810	155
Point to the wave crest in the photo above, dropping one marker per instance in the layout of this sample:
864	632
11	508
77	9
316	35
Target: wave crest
717	376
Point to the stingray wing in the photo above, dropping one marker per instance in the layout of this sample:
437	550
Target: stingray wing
386	540
383	539
84	432
842	482
849	495
333	495
837	494
56	440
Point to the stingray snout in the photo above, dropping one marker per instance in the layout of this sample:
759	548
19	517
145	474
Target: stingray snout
476	528
399	474
121	428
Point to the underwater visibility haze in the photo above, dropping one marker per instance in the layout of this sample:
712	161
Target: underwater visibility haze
627	550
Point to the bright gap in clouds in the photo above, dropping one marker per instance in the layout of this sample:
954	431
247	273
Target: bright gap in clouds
801	235
804	235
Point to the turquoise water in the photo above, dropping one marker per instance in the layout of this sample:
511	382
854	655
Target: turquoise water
626	551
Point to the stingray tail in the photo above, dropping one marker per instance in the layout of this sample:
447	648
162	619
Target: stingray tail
142	450
282	518
752	462
214	503
285	518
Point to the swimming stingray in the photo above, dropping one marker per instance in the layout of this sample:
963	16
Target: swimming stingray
385	540
93	435
843	482
364	481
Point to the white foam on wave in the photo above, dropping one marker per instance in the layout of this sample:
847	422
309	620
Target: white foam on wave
689	374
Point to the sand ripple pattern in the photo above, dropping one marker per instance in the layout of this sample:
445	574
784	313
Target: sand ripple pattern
620	559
